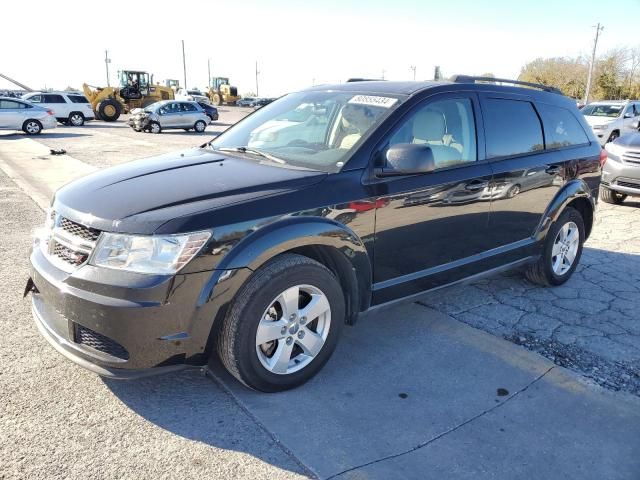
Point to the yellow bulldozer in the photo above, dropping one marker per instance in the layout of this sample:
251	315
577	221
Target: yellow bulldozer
221	92
135	90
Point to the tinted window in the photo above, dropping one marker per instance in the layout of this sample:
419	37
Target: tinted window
78	99
50	98
447	126
561	128
511	127
187	107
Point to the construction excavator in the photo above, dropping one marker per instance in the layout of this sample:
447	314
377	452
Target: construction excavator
135	90
220	91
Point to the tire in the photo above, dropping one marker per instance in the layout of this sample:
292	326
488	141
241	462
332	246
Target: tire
611	196
258	298
75	119
543	272
154	127
32	127
96	115
200	126
513	191
216	99
615	134
109	110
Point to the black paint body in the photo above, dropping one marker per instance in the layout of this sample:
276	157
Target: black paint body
385	238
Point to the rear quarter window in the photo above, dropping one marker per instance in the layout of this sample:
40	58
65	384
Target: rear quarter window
561	128
512	127
78	99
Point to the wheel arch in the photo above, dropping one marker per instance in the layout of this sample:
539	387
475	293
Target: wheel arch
575	194
326	241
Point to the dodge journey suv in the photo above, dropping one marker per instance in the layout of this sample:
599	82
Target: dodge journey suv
257	247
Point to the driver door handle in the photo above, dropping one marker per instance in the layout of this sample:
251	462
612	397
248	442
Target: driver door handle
476	185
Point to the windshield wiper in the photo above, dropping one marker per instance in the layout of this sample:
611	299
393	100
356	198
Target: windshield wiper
253	151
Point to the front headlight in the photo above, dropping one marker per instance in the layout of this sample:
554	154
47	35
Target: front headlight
600	127
157	254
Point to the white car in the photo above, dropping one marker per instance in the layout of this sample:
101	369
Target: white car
611	118
71	108
20	115
192	96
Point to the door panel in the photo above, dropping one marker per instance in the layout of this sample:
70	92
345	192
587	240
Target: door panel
429	227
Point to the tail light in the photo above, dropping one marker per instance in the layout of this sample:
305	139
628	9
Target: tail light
603	157
50	112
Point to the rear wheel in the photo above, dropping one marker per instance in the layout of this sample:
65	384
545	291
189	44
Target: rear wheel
283	325
561	252
109	110
76	119
200	126
32	127
611	196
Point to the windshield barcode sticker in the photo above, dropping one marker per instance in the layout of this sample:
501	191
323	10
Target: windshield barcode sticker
374	101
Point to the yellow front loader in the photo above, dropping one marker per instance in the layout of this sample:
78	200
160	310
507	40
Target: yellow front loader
220	91
135	91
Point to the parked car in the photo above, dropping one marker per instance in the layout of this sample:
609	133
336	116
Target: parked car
621	171
261	102
611	118
169	114
70	108
17	114
192	95
210	110
246	102
158	264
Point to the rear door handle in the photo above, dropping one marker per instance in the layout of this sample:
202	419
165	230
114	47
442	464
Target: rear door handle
476	185
552	170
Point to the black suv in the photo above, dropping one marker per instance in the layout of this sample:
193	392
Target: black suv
323	205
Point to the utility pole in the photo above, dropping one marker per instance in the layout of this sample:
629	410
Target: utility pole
107	61
383	72
413	67
599	28
209	71
184	66
257	72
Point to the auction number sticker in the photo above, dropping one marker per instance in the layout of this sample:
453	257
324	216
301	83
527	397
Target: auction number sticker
373	101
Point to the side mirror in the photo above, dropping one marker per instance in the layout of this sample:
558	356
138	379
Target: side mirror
407	159
628	115
635	124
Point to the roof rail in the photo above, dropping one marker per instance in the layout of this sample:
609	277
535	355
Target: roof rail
473	79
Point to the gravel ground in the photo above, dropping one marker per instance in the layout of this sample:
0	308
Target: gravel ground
60	421
590	325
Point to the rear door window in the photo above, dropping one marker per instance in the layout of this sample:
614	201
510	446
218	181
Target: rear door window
561	128
188	107
52	98
78	99
512	127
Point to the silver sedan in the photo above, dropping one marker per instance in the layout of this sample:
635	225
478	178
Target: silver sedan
169	114
21	115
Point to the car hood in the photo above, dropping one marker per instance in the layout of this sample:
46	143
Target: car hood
139	196
629	140
599	120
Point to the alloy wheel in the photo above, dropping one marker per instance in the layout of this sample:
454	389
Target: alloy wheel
293	329
565	248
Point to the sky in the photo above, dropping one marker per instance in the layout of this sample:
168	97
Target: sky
298	43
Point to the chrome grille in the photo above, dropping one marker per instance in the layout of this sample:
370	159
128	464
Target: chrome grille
70	243
628	182
631	157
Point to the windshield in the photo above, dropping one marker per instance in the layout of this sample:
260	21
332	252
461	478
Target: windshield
194	92
316	130
602	110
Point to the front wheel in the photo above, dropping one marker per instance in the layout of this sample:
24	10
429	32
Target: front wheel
562	250
610	196
284	324
154	127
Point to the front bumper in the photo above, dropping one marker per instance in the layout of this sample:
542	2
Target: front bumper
621	177
119	324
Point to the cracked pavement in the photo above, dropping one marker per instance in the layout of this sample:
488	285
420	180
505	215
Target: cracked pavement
590	324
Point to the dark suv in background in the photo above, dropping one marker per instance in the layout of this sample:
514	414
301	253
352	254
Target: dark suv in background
320	206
